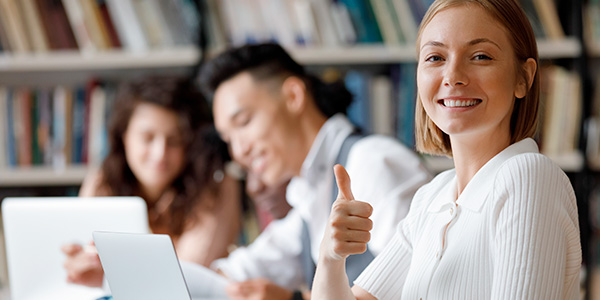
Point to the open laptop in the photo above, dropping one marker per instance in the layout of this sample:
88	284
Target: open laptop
145	266
36	228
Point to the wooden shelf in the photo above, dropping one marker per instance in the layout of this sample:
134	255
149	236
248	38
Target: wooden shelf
572	162
110	60
360	54
187	57
42	176
566	48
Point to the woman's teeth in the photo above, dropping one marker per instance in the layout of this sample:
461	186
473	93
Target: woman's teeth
460	103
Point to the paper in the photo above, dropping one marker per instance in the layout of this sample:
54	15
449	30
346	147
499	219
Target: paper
202	282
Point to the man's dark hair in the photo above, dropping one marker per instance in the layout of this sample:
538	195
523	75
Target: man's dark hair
270	61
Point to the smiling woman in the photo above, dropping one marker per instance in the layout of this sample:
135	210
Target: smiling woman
503	224
163	148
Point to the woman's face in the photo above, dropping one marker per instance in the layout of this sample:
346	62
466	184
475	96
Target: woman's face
257	125
466	76
153	146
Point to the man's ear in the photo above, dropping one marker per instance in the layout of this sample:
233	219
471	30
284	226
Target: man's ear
294	93
523	86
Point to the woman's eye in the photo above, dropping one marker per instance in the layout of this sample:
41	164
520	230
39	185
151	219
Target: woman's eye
244	121
433	58
482	57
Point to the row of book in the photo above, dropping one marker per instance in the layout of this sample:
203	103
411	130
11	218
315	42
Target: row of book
137	25
91	25
66	125
340	23
384	104
54	127
562	102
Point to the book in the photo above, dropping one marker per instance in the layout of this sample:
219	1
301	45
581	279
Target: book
171	11
153	23
96	123
107	20
78	126
281	27
127	25
12	22
59	128
216	34
549	18
34	113
191	17
95	24
405	94
11	140
76	18
44	133
532	14
4	94
24	129
359	111
324	22
343	23
307	25
33	26
389	30
364	22
382	112
406	20
4	44
53	16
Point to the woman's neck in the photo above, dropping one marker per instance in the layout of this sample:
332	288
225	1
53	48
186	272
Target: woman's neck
470	154
152	193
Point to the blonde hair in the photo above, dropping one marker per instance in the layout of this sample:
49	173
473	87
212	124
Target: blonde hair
524	120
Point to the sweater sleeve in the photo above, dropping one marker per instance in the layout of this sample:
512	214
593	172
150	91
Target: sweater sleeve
384	277
537	251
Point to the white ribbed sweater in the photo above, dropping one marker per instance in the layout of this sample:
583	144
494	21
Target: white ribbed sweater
512	234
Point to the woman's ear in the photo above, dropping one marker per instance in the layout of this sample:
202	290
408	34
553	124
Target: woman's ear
294	93
523	86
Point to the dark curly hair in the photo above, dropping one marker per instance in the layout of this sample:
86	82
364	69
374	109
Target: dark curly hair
270	61
206	154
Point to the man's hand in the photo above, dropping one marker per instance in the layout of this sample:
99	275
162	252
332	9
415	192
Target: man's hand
257	289
83	266
348	228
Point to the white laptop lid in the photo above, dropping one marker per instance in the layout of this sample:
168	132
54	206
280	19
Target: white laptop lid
141	266
36	228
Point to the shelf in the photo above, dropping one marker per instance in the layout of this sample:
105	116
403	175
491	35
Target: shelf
42	176
566	48
572	162
111	60
361	54
187	57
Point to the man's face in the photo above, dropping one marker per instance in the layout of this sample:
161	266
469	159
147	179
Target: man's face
252	117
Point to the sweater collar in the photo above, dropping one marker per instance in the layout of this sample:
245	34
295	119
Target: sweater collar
475	193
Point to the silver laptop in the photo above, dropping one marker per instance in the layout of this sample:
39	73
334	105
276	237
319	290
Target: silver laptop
145	266
36	228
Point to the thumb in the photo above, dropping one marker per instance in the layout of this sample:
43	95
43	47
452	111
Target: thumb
343	183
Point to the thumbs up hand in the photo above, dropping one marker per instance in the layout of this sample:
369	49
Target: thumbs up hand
348	227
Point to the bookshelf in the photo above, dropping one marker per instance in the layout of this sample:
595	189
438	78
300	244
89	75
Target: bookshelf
35	67
73	61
